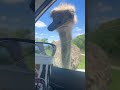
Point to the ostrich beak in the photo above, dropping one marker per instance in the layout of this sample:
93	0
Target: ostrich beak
53	26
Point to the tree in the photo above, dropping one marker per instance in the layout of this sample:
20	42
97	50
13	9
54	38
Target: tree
80	42
42	40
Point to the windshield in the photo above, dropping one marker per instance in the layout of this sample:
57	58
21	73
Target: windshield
76	45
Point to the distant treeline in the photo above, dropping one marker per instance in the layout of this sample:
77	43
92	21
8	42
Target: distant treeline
79	41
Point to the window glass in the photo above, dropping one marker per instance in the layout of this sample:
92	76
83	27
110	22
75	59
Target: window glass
64	45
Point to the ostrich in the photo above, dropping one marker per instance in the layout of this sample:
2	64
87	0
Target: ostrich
63	20
98	68
75	56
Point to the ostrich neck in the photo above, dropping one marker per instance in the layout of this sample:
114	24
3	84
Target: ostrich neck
66	37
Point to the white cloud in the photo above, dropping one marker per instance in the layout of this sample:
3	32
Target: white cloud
77	34
40	24
57	36
77	29
52	36
36	36
51	40
12	1
36	33
42	34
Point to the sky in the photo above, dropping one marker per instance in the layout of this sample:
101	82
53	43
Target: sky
41	25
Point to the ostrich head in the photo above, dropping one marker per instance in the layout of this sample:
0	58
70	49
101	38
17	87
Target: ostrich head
63	16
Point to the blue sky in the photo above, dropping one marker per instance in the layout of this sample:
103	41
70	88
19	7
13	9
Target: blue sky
41	25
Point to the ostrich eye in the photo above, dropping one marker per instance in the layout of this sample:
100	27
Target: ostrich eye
70	16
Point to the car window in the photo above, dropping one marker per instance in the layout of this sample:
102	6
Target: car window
77	44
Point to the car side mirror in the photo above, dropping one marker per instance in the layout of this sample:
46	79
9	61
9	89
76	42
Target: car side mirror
43	48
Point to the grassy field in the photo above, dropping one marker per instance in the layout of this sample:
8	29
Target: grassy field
82	62
115	80
48	52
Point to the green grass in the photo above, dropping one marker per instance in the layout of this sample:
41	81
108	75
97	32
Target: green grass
48	52
82	63
115	80
82	51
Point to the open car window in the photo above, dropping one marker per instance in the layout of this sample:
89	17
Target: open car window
42	34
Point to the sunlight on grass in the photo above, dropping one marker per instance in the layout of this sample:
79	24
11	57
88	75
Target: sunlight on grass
82	62
48	52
